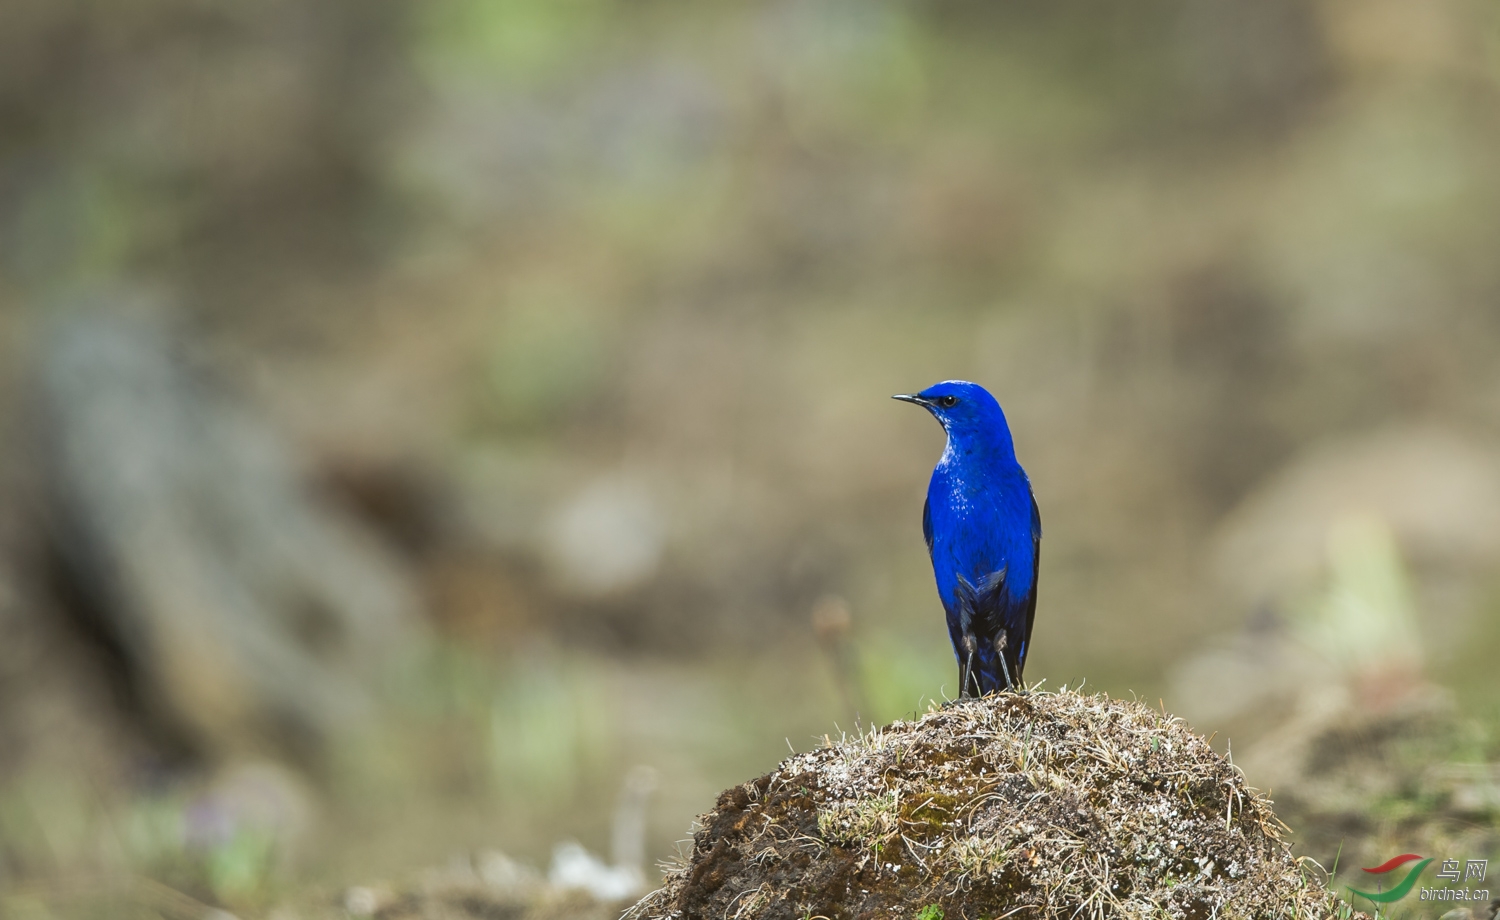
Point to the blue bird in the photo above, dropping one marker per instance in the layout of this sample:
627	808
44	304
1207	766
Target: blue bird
984	534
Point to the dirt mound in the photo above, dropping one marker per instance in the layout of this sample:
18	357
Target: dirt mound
1042	805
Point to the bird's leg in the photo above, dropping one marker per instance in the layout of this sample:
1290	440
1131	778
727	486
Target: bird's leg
966	672
1009	684
1000	642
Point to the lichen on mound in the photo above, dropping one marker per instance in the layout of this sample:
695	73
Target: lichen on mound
1027	806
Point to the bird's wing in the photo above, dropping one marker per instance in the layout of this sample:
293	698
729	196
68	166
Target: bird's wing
927	524
1036	571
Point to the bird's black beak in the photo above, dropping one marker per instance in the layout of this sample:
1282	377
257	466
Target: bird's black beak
913	398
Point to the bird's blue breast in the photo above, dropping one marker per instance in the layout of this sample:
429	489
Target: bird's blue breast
981	523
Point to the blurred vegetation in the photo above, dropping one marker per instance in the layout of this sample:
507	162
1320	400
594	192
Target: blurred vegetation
590	310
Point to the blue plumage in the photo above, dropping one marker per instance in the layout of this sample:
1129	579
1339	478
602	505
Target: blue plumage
984	535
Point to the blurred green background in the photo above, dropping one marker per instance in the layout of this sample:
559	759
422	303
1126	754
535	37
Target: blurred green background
587	313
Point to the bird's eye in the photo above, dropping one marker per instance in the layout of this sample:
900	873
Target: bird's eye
947	402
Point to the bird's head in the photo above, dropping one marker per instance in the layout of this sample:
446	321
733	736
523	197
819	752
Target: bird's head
966	410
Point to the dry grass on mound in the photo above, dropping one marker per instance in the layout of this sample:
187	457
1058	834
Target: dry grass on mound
1027	806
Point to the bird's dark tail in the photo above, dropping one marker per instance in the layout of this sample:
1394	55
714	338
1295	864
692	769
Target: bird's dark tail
989	656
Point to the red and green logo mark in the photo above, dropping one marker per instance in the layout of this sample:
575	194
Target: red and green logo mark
1403	888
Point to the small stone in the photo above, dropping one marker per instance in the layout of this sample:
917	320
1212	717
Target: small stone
361	902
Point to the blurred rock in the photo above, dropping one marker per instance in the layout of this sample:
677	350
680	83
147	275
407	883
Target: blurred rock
1356	630
1382	34
487	870
486	885
1438	489
501	872
487	151
575	868
1247	61
1357	783
1365	622
1329	726
1342	555
242	145
245	610
361	901
605	539
464	903
1240	673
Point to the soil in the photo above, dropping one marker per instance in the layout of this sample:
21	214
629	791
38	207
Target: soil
1016	805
